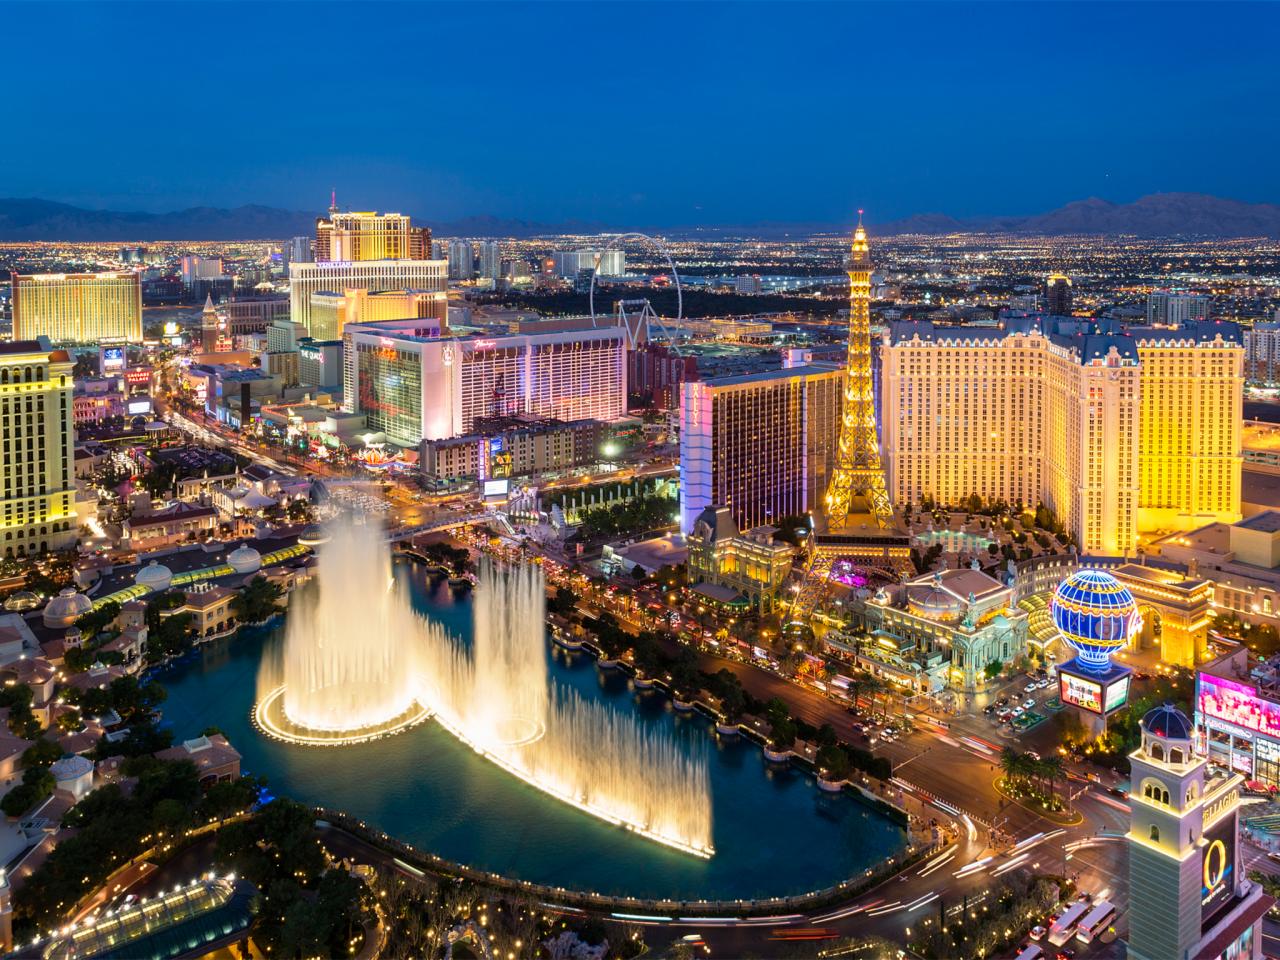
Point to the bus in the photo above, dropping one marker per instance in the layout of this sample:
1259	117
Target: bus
1032	952
1099	919
1060	930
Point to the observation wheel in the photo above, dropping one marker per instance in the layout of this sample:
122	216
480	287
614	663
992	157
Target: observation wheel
638	315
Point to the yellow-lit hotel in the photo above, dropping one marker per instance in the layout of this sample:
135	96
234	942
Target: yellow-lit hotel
1119	431
37	489
77	307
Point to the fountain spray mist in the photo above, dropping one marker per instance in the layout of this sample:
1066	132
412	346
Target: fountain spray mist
359	663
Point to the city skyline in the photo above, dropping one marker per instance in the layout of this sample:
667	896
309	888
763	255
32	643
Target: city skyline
971	111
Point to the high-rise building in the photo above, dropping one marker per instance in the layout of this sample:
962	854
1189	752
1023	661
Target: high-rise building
77	307
360	236
747	283
320	363
1189	896
301	250
1262	352
654	375
1172	307
36	449
372	275
490	260
414	387
1057	295
331	312
1117	431
246	315
762	444
200	268
439	250
461	260
569	263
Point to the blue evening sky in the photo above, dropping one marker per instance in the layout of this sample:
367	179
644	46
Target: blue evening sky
639	114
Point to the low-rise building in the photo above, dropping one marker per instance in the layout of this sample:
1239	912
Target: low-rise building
962	618
215	759
210	608
182	521
751	563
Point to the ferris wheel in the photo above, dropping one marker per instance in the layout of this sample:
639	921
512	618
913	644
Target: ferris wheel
637	316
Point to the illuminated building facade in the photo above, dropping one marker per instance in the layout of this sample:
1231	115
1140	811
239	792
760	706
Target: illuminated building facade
1116	431
247	315
370	236
1057	295
1188	894
415	387
306	279
77	307
331	312
1173	307
37	436
1262	353
762	444
751	563
938	630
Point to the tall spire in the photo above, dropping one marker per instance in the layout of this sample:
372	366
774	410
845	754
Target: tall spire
857	483
333	202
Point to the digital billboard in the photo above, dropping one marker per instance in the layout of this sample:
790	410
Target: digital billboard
1117	694
1236	704
139	405
1085	694
111	360
1217	869
495	489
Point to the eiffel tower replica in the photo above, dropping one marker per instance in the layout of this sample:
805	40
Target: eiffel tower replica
857	531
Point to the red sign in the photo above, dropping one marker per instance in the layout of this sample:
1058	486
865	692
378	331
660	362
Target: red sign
137	377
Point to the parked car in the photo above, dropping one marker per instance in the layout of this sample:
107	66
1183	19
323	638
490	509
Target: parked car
1029	687
1028	704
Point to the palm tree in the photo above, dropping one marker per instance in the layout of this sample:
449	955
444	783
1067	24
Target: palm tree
1010	763
1052	767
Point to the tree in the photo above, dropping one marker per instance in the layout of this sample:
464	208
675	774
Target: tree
257	601
993	669
833	761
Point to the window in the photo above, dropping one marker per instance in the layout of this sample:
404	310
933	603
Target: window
1155	833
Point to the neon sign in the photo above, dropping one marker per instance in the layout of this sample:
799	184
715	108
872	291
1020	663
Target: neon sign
1237	705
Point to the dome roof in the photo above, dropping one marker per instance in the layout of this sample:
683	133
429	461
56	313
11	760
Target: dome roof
66	608
244	559
1095	613
1000	621
313	535
1167	721
154	576
71	768
22	600
934	603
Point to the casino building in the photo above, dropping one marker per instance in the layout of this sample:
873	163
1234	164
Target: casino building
1237	715
413	384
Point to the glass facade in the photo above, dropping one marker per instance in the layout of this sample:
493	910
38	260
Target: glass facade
390	381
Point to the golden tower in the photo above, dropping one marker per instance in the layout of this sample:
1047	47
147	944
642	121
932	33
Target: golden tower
858	479
857	536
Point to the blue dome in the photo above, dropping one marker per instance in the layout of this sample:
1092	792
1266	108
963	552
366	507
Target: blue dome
1096	614
1167	721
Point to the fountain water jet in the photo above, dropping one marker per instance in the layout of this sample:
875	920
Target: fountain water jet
358	663
347	671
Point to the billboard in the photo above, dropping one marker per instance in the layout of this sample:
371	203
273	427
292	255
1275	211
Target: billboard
1236	704
111	360
1117	694
499	458
1079	692
1217	869
495	489
139	405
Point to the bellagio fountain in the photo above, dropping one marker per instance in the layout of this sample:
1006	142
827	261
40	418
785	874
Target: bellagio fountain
358	663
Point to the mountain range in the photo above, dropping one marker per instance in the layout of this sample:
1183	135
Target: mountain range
1156	215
